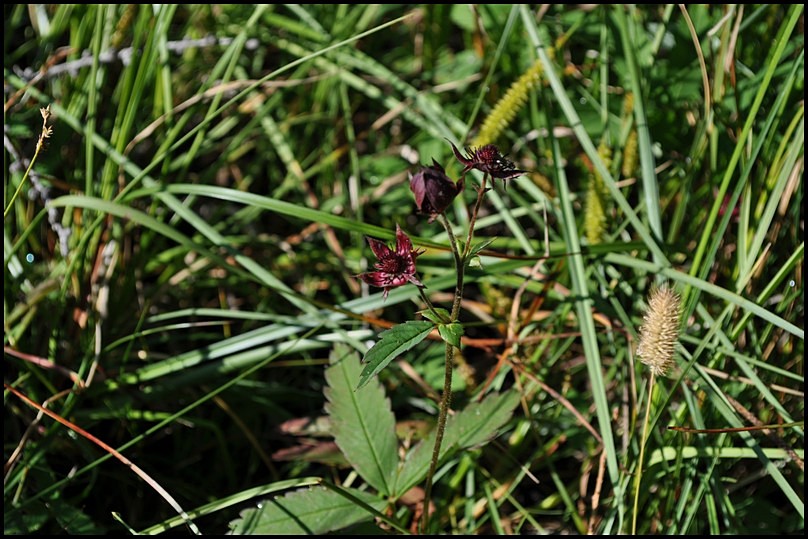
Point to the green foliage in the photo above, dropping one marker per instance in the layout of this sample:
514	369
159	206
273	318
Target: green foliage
314	511
180	265
73	520
362	422
437	317
451	333
471	426
392	343
363	428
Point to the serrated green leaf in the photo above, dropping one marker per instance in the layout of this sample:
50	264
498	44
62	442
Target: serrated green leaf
313	511
439	316
475	424
451	333
392	343
362	421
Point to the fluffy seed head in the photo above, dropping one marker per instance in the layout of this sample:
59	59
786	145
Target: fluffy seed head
660	330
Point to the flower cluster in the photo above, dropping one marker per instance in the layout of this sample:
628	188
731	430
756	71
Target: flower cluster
434	191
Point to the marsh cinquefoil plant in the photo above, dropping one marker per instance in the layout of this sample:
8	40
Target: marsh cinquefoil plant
360	414
434	191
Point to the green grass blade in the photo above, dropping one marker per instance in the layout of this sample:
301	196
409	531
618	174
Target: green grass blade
589	337
585	140
230	501
697	267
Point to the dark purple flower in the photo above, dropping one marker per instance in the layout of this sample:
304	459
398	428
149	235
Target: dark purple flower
488	160
433	189
394	268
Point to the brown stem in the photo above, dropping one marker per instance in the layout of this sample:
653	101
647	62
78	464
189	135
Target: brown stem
446	397
473	220
445	401
460	266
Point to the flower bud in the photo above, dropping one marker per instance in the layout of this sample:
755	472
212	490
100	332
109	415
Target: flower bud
433	189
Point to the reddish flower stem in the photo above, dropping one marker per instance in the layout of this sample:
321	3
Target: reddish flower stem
480	194
446	396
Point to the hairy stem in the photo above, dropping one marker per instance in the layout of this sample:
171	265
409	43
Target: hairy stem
443	412
460	265
480	194
446	398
